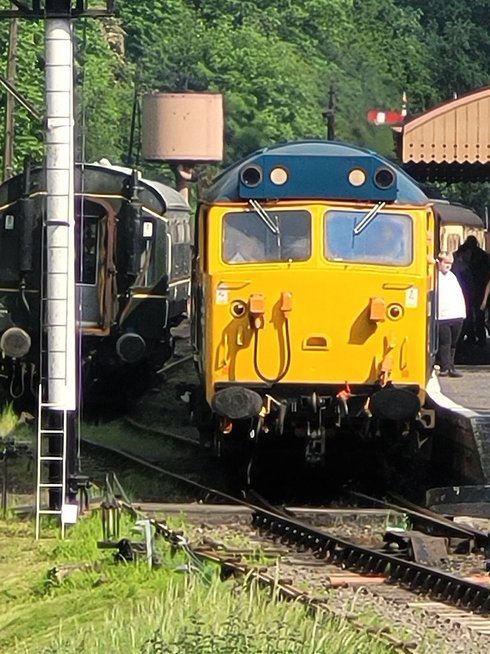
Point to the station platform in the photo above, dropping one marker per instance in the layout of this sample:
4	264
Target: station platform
461	445
470	392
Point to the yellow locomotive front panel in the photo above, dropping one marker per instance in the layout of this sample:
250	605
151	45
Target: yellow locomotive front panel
316	303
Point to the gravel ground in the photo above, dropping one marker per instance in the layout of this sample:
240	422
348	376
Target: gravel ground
433	628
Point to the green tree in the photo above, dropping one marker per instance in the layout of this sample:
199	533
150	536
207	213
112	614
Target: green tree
455	35
272	91
273	62
104	89
104	92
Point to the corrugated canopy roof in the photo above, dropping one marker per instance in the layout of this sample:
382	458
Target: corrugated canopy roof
450	142
458	130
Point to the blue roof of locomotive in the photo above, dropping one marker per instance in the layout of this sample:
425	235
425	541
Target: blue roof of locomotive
316	169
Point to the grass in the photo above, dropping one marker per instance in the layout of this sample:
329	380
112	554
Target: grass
140	485
103	607
121	435
110	608
8	420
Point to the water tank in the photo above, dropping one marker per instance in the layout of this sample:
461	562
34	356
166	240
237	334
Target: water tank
182	127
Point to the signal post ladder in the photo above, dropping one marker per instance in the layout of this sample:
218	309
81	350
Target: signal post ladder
52	438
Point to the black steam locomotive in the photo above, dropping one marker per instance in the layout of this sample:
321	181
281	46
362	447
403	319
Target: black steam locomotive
133	241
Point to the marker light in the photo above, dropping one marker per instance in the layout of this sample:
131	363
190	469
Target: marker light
357	177
395	311
279	176
384	178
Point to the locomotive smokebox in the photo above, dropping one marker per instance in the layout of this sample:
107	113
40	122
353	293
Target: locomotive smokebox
182	127
236	403
130	347
394	404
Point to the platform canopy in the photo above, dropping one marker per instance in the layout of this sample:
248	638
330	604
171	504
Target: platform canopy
450	142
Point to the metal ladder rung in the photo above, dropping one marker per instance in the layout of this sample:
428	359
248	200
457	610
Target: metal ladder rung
45	432
51	405
51	458
49	512
46	485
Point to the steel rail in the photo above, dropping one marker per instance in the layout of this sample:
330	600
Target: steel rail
174	364
436	583
161	432
435	520
410	575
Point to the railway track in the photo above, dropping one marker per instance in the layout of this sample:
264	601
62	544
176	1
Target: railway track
175	363
453	602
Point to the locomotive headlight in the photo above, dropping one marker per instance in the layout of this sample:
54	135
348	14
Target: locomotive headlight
384	178
279	176
251	176
238	309
394	311
357	177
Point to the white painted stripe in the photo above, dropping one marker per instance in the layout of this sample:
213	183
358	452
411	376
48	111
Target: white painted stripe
435	393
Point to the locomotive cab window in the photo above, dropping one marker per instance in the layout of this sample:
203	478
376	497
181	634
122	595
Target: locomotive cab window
266	236
385	239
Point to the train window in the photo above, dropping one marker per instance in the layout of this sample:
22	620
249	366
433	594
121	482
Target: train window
90	246
175	235
387	239
271	236
188	232
453	242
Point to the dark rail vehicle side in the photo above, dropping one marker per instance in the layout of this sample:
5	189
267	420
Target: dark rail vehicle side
133	239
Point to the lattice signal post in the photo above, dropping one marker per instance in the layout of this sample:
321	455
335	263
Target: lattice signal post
58	394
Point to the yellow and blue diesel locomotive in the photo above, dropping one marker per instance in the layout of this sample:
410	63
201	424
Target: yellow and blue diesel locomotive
133	243
314	300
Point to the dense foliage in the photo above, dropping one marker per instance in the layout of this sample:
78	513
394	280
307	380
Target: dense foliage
275	63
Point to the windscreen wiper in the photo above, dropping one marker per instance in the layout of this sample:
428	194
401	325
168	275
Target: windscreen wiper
368	218
270	222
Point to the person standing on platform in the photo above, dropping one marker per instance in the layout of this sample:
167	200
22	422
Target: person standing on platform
451	313
472	268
